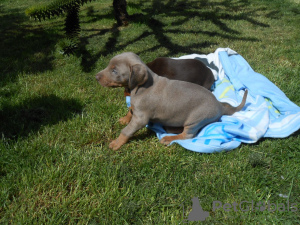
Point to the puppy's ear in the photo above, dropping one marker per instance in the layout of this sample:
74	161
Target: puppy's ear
138	76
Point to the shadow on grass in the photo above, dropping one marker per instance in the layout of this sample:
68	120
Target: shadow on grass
28	48
24	48
221	14
29	116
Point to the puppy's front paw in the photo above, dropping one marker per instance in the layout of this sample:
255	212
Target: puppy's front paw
114	145
166	140
124	120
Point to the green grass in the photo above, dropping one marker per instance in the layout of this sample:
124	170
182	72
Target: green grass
56	121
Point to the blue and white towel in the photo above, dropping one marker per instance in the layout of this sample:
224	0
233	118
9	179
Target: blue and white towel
267	112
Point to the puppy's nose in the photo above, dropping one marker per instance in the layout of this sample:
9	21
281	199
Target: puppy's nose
98	76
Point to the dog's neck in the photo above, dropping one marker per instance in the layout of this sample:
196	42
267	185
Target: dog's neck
146	85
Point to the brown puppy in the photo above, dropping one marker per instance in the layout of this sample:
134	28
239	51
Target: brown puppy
190	70
157	99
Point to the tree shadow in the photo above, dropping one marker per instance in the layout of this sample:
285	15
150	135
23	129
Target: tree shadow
24	48
220	14
88	60
31	114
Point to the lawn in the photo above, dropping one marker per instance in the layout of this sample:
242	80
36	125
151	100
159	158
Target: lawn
56	121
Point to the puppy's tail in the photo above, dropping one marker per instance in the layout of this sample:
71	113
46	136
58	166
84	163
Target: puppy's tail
229	110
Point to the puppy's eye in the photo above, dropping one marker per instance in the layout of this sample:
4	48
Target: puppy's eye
114	71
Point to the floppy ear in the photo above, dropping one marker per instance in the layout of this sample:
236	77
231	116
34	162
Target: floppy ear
138	76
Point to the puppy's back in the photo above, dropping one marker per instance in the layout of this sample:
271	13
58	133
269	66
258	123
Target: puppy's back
179	103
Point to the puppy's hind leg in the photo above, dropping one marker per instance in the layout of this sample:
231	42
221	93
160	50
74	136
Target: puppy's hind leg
188	132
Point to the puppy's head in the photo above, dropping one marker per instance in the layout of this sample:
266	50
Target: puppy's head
124	70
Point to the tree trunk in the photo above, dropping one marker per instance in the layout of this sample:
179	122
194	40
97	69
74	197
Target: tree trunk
121	14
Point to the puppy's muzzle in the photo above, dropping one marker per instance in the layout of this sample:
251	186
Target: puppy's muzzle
106	82
98	77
